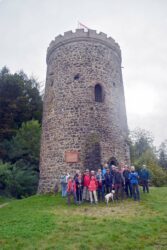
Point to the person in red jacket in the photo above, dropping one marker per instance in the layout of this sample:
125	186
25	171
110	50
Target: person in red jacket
86	181
92	190
71	189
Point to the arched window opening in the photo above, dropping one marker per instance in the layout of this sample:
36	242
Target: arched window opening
98	93
112	161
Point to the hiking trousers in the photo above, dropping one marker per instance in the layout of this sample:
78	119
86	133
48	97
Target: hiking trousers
92	195
135	192
85	195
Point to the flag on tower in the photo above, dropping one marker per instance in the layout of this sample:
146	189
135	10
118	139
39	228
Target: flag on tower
80	26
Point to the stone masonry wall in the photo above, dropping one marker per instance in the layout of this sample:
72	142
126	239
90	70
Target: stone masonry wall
72	119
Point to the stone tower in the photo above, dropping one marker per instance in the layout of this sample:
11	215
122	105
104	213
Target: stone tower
84	117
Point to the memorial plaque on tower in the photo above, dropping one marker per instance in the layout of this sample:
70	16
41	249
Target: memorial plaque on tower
71	156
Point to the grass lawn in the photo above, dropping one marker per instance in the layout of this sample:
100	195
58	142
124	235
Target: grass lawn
46	222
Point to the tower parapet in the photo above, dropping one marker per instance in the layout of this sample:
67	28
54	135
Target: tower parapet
82	35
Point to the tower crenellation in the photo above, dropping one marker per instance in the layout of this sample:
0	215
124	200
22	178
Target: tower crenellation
81	34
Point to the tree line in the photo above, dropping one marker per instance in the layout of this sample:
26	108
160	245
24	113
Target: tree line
143	152
20	130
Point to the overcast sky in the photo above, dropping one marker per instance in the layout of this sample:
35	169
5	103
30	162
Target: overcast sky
139	26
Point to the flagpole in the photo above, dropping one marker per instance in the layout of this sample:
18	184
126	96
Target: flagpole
81	25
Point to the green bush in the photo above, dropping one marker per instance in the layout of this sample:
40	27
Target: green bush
17	182
19	176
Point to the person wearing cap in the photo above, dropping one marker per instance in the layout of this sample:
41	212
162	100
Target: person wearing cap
144	177
86	181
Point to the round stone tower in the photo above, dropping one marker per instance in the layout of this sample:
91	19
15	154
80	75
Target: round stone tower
84	116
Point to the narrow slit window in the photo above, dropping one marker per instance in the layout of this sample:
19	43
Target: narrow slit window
76	77
98	93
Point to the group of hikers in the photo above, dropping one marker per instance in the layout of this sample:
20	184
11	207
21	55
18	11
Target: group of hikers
92	186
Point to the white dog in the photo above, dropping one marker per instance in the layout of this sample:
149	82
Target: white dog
109	196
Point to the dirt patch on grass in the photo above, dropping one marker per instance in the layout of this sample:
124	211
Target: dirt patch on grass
3	205
117	210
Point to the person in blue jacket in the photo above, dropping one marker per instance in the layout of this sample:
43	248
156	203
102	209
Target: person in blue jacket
134	181
144	177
